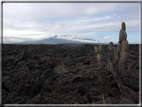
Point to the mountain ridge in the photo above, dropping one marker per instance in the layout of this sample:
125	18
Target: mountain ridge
55	40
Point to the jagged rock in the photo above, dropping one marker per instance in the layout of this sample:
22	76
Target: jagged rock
6	78
61	69
81	90
78	77
110	100
81	100
125	101
68	61
64	74
130	94
8	84
131	79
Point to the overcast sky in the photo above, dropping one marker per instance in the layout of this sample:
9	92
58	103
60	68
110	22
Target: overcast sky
98	21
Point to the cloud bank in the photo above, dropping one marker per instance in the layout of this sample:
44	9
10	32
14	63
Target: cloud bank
38	21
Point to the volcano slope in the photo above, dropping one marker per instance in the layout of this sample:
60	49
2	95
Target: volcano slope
64	74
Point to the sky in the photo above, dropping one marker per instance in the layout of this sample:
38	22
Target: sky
72	21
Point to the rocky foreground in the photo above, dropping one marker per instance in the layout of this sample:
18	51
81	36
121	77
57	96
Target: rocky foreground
64	74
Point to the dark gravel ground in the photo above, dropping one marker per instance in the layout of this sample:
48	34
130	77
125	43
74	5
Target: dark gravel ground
64	74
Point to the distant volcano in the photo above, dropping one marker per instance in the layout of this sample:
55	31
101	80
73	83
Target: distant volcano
57	40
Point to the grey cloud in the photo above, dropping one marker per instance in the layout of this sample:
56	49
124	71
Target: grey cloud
48	10
70	18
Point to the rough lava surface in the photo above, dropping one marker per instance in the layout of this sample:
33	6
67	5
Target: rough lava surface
64	74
